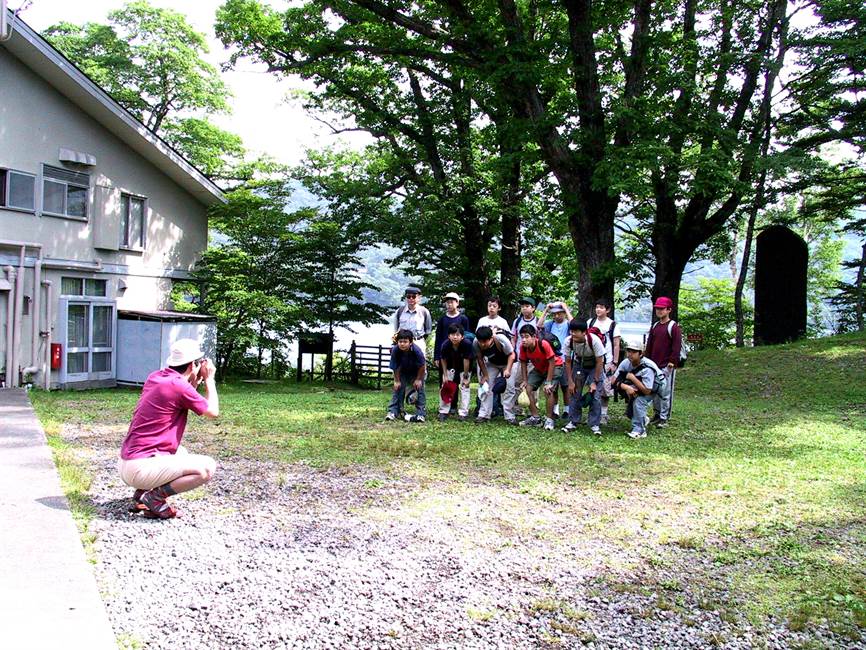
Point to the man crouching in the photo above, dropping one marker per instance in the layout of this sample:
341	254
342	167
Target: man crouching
152	459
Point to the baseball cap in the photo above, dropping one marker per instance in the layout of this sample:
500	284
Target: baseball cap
526	300
452	296
184	351
635	345
412	396
556	309
663	301
448	391
499	385
412	290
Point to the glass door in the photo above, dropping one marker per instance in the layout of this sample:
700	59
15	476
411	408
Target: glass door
89	340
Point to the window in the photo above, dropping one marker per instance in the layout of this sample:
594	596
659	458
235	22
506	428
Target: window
131	222
83	287
64	193
89	340
17	189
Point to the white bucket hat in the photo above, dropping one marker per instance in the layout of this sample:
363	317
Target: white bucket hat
635	345
184	351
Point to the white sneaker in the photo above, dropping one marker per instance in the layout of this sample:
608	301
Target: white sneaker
637	434
569	427
531	421
595	430
549	424
390	417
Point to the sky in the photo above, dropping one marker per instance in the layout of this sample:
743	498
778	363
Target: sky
268	122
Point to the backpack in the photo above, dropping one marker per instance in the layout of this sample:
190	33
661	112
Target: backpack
683	354
661	378
586	362
553	339
604	340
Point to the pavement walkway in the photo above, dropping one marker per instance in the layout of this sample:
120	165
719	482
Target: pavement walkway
48	594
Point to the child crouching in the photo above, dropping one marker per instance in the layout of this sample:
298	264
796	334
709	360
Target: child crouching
638	379
410	367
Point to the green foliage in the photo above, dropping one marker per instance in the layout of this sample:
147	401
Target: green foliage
216	152
150	61
708	309
827	95
271	273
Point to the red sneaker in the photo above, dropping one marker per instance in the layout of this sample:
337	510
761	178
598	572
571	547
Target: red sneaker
137	505
156	505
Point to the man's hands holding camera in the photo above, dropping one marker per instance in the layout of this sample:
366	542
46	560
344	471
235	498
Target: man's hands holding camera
206	372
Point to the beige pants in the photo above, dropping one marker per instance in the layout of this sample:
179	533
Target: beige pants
151	472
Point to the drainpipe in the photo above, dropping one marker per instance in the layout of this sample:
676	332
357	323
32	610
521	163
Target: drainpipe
33	368
46	373
19	316
10	328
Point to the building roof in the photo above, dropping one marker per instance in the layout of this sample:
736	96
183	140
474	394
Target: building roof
41	57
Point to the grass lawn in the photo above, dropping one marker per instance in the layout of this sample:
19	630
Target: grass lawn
758	482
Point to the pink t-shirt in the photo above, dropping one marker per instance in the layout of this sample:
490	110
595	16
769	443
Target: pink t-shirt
160	415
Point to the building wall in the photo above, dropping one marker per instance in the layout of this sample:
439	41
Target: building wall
35	122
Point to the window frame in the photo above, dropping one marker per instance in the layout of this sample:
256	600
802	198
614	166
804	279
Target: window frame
90	302
7	182
83	292
47	176
125	236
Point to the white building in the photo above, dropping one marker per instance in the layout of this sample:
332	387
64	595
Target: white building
97	214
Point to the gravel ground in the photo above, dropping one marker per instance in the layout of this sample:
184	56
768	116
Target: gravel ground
275	556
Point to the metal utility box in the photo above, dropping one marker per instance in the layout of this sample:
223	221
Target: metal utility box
144	339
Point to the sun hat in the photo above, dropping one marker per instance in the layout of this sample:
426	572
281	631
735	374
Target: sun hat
499	385
452	296
448	391
184	351
635	345
483	389
526	300
663	301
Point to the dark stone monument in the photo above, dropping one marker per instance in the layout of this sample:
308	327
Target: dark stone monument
781	259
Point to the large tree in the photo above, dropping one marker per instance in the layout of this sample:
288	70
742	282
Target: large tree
828	107
646	109
444	180
150	60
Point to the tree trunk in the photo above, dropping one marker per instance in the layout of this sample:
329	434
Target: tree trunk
590	222
732	259
510	253
861	272
739	316
475	275
671	253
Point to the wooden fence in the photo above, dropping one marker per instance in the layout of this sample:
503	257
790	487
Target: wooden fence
370	362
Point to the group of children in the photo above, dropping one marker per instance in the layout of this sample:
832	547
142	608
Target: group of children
555	353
